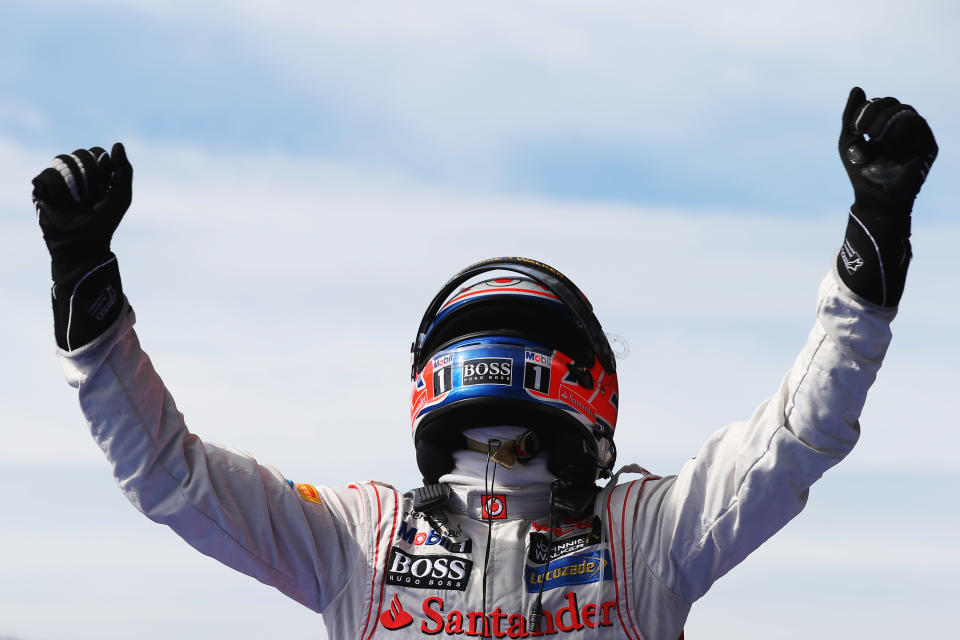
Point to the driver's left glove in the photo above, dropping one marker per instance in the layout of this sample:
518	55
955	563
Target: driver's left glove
887	149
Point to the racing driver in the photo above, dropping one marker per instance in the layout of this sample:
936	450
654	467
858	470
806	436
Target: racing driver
513	412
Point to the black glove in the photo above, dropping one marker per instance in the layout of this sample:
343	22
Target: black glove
80	200
887	149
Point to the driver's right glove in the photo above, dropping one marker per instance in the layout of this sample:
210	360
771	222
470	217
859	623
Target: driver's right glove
80	199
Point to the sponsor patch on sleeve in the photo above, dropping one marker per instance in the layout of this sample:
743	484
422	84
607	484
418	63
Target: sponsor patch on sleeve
308	492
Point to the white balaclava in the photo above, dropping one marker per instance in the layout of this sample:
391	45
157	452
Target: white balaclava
470	467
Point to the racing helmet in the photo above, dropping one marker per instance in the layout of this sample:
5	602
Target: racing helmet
524	350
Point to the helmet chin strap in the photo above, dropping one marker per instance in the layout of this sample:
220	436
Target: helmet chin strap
506	446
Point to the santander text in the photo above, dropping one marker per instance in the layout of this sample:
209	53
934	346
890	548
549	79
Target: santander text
498	624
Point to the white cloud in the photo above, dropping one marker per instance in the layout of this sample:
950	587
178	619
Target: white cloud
615	69
18	115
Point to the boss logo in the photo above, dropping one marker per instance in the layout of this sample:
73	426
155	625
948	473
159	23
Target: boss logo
428	572
487	371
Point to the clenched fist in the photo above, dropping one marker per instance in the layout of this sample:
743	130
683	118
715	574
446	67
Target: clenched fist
80	199
887	149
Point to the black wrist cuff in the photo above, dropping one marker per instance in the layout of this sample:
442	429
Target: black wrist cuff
875	255
86	301
865	205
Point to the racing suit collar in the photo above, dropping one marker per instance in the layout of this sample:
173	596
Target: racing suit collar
528	503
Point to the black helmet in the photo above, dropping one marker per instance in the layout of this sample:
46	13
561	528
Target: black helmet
521	351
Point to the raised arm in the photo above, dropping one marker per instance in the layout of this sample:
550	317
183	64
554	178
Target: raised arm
310	543
752	477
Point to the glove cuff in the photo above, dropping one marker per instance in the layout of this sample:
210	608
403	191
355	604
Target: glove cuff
866	205
86	302
71	258
875	255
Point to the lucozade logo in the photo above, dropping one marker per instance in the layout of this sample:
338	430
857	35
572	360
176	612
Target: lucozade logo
580	568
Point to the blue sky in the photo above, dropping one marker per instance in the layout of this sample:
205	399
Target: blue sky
308	174
558	99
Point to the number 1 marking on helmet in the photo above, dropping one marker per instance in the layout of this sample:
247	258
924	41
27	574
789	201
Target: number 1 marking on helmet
442	380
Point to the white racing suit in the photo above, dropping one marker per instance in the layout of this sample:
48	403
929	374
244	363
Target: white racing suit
376	568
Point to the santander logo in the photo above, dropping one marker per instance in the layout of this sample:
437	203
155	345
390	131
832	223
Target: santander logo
395	617
572	616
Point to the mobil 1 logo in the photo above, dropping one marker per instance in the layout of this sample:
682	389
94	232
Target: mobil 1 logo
442	374
536	371
428	572
487	371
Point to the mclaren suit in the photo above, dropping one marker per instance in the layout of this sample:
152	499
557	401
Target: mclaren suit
376	567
